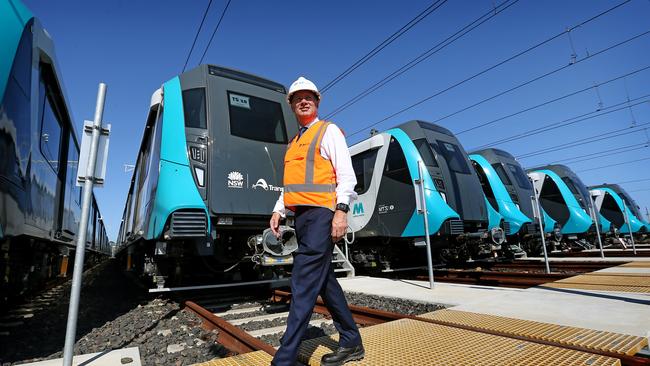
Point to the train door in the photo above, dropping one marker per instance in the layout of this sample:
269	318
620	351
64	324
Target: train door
72	199
16	138
47	189
396	197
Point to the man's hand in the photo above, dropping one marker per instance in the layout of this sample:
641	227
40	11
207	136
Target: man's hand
339	225
274	224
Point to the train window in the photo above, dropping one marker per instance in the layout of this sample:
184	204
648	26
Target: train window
425	152
194	108
453	155
16	109
363	165
396	167
73	163
574	190
50	138
520	176
256	118
502	174
485	184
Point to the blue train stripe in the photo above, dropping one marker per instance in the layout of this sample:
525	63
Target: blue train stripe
506	207
549	223
494	218
437	208
605	224
579	221
13	18
635	223
176	188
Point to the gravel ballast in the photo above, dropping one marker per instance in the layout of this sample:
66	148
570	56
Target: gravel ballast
114	313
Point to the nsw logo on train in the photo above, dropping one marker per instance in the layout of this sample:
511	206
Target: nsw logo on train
237	180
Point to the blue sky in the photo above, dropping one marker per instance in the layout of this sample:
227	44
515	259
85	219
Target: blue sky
135	46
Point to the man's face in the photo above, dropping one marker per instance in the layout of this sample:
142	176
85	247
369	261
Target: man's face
305	105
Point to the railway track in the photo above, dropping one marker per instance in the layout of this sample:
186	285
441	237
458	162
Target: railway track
538	266
239	341
494	278
640	252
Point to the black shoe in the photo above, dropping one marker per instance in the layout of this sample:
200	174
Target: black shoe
343	355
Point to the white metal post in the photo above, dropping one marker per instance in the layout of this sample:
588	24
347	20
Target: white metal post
423	205
596	219
73	309
537	211
629	227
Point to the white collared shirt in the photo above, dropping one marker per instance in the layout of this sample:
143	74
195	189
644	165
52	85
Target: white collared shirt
333	148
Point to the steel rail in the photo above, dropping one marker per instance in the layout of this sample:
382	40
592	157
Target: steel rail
496	278
233	338
363	315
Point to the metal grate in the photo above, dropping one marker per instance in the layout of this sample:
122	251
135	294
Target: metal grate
412	342
636	264
456	227
256	358
592	339
506	227
606	281
187	224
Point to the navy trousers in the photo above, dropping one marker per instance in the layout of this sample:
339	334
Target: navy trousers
313	275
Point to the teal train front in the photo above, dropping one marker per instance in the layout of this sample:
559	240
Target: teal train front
390	227
208	172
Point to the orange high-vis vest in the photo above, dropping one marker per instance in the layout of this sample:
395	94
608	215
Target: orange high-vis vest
309	179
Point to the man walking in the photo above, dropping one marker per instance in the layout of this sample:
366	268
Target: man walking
318	186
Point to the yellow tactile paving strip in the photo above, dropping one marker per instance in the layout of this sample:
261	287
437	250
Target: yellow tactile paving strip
256	358
413	342
599	287
606	281
588	338
636	264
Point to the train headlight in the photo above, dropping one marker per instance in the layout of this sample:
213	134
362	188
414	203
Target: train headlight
200	176
444	196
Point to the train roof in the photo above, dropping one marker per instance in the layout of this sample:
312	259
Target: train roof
492	154
238	75
559	169
417	125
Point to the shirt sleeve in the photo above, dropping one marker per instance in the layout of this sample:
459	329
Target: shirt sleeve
334	148
279	205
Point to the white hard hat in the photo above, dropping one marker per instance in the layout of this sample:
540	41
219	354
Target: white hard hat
302	84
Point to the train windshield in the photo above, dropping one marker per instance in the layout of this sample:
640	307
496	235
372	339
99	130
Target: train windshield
575	191
502	174
520	176
364	165
425	152
453	155
256	118
194	108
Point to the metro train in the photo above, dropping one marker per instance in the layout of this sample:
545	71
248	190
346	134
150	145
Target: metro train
566	199
40	204
507	188
384	218
614	203
208	172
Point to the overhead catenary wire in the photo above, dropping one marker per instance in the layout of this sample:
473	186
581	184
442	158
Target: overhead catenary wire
520	85
567	122
633	181
223	13
602	154
400	32
611	165
521	53
528	109
586	140
425	55
198	31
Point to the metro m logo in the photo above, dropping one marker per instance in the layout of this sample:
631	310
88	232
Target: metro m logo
357	210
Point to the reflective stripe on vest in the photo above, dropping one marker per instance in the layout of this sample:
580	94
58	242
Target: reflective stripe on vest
309	179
